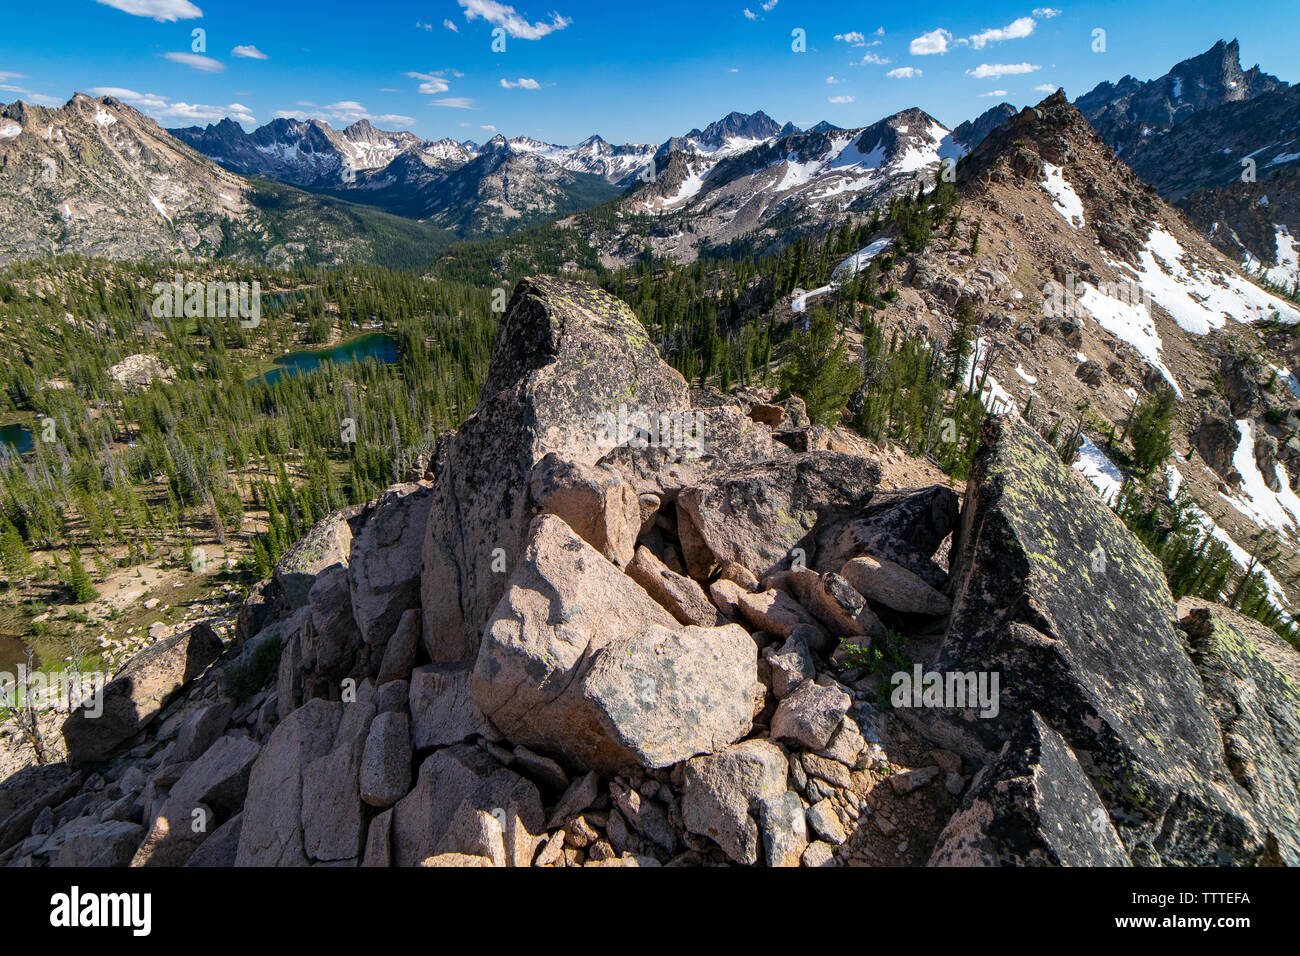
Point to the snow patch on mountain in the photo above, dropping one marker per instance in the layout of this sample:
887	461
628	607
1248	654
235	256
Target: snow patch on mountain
1287	270
858	261
995	399
157	204
936	144
1102	473
1288	379
1278	509
1241	557
1200	298
1064	199
1130	322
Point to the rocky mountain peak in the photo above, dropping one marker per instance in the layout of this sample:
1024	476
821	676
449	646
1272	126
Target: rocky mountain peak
1128	112
972	132
362	127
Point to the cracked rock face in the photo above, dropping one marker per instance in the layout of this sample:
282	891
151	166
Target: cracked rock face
567	356
1089	644
1252	680
578	659
1033	806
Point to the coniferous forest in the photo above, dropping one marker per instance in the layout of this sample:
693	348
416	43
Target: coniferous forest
212	468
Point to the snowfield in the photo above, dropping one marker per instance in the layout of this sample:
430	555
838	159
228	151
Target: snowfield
858	261
1287	270
1277	509
1101	472
993	396
1130	322
1240	556
159	206
846	269
1288	379
1201	299
690	188
1064	199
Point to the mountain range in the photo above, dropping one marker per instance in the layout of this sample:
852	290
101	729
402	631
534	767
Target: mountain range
1221	142
96	177
124	187
478	190
839	307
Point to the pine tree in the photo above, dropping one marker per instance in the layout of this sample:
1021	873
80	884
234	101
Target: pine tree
959	346
1149	428
15	556
820	371
79	582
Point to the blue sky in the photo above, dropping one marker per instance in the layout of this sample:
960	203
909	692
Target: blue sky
633	72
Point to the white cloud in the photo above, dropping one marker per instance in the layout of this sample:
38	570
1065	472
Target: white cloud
489	128
451	26
750	14
248	53
1045	88
175	113
426	27
986	70
995	93
164	11
831	79
204	64
431	84
903	73
500	15
873	58
936	41
769	5
842	99
343	113
1015	30
852	38
29	96
454	102
523	83
1046	12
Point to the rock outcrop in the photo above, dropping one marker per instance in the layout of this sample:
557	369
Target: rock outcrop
574	647
1252	680
578	659
568	358
1055	595
1033	806
138	692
